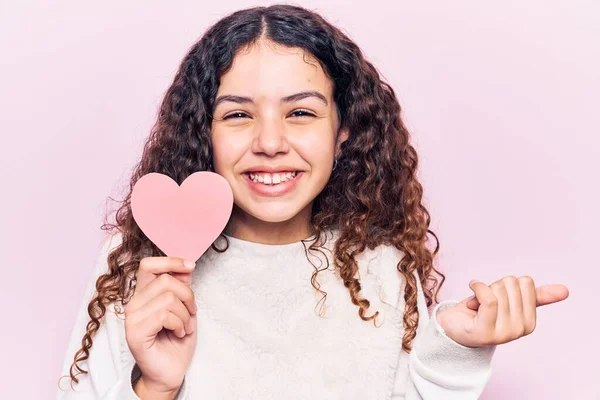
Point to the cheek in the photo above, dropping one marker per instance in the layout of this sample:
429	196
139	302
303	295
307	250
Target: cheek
227	151
317	150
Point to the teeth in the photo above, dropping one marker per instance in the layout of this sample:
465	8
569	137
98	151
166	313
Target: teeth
272	179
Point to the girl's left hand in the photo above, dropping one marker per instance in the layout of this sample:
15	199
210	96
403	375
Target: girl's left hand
499	313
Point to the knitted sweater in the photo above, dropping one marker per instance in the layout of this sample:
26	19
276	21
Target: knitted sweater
260	335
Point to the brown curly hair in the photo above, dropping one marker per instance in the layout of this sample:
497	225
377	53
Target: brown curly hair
373	196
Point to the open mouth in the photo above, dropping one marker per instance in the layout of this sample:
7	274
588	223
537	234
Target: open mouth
273	184
272	179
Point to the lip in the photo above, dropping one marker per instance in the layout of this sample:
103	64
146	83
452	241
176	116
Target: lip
273	190
272	170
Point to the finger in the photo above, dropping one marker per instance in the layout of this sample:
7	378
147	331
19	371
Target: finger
545	294
488	308
157	308
528	294
548	294
515	302
503	316
166	320
163	284
151	267
183	277
472	303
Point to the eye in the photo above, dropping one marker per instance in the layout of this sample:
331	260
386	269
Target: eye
306	113
240	114
230	116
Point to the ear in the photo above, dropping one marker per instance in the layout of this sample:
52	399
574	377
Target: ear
341	138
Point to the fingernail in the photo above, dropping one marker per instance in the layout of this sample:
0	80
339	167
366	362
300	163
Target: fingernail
473	281
189	264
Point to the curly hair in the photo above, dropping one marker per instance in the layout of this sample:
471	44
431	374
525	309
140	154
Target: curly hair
373	196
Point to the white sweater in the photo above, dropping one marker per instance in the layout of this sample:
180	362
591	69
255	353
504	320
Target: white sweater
259	336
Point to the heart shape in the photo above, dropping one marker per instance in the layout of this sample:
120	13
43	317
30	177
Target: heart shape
182	221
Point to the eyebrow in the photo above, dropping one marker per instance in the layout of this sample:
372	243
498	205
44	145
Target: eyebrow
288	99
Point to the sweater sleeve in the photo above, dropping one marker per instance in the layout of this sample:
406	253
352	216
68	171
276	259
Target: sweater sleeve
438	367
110	365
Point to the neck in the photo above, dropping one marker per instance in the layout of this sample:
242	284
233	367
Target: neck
244	226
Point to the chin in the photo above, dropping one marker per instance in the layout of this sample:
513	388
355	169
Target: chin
272	214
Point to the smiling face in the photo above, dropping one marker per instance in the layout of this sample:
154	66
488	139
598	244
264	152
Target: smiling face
274	136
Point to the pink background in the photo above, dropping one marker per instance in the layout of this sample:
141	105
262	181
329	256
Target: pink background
502	101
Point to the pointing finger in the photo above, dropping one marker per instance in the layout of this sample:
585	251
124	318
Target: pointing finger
488	309
159	286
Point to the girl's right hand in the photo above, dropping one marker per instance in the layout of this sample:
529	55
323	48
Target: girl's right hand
160	322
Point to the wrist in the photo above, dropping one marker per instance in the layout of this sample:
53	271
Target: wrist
148	390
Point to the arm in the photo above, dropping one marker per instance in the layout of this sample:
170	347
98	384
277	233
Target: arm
111	367
438	367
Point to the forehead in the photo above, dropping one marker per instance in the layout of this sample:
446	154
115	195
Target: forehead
266	69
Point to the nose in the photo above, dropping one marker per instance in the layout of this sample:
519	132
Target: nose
270	138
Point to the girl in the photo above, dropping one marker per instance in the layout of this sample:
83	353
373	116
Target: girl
319	286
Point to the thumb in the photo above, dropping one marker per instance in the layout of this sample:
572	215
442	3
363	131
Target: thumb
184	277
471	302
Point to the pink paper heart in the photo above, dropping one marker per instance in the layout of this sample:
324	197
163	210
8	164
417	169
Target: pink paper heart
182	221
